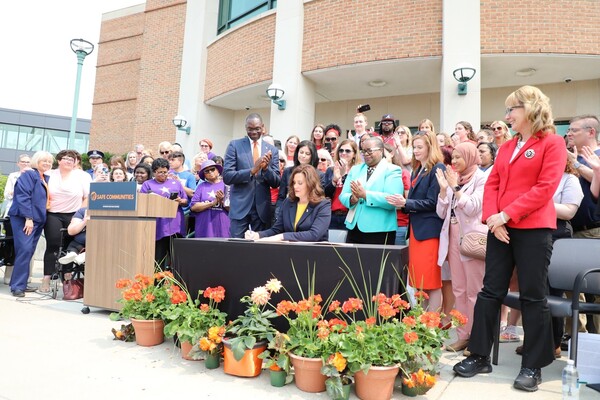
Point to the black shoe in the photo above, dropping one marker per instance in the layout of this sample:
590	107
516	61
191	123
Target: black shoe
30	289
528	379
18	293
564	342
473	365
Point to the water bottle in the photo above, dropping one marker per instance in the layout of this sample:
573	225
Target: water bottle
570	381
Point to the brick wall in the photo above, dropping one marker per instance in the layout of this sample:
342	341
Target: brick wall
241	57
348	32
137	78
540	26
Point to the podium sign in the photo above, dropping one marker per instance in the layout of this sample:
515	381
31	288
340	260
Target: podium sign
113	196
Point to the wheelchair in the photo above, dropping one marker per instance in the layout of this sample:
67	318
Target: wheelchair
60	270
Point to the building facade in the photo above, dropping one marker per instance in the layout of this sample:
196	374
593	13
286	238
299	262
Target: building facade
212	61
24	132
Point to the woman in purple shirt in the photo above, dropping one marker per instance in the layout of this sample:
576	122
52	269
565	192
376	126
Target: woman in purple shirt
210	203
166	228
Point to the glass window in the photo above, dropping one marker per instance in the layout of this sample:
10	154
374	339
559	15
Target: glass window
9	136
81	142
30	139
55	141
235	12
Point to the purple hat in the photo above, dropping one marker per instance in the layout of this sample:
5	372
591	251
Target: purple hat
207	164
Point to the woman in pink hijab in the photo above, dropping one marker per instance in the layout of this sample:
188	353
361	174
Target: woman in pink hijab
460	205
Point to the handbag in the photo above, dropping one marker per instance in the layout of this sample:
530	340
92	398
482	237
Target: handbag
73	289
473	245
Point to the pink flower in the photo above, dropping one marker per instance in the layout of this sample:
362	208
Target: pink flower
260	295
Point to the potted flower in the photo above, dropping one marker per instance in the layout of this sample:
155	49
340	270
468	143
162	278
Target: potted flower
276	359
144	301
417	383
190	320
339	377
247	336
210	346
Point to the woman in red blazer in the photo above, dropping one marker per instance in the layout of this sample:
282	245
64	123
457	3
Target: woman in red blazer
519	212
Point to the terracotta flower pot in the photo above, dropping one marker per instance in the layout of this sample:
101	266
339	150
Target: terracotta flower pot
148	332
185	350
249	366
377	384
307	374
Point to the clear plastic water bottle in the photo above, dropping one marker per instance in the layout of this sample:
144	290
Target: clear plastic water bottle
570	382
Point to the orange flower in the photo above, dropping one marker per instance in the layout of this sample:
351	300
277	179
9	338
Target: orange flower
430	319
411	337
150	297
379	298
334	306
409	321
316	299
217	294
216	333
177	295
205	344
123	283
386	310
337	325
397	302
461	319
421	295
204	308
352	305
408	382
316	311
370	321
338	361
284	307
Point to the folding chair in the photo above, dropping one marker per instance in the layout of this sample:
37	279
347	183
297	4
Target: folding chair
574	267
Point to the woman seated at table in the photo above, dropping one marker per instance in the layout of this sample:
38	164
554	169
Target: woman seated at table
305	213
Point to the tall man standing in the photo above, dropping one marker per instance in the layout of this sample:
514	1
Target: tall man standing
250	168
371	219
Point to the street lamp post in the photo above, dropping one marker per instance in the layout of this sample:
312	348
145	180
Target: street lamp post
81	48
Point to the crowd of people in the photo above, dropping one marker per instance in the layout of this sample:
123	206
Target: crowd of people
426	189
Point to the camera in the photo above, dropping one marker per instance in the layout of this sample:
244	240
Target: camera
568	79
105	170
173	196
246	108
362	108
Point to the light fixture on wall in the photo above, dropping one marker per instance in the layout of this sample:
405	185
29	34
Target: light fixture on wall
275	93
180	122
463	75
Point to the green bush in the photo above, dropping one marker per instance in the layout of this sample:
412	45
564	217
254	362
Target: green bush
3	179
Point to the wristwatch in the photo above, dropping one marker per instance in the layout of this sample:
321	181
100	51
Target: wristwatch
456	188
577	164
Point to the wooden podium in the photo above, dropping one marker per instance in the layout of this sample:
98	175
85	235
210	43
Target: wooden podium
120	244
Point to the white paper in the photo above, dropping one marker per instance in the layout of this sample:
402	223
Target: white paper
588	357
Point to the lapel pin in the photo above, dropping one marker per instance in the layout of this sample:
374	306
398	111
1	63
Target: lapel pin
529	153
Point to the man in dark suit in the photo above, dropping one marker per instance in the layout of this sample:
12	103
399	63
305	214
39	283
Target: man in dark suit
250	168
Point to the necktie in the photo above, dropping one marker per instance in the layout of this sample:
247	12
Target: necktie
255	150
370	172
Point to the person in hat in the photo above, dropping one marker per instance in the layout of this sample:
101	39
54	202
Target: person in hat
387	127
210	202
96	158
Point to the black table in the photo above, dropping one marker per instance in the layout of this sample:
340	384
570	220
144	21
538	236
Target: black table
240	266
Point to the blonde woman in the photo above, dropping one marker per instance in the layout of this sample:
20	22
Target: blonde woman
501	132
346	156
427	126
403	151
290	148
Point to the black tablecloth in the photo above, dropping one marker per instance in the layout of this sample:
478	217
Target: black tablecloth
240	266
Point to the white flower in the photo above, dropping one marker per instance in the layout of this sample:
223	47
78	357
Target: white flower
273	285
260	296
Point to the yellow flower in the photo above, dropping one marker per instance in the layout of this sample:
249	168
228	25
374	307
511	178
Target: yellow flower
338	361
273	285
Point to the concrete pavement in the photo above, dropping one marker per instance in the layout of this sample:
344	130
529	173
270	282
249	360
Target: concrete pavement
50	350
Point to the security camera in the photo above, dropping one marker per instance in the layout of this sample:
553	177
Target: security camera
179	121
246	108
568	79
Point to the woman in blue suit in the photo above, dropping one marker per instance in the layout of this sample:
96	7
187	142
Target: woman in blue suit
305	213
28	217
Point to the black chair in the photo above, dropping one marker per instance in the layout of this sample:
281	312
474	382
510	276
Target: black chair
574	267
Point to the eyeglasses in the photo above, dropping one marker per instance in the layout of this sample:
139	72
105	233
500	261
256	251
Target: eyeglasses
25	162
387	122
577	129
497	128
347	151
209	170
165	152
68	159
509	109
161	172
401	132
369	152
322	159
204	145
331	139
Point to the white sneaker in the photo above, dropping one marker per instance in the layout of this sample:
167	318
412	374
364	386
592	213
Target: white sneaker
80	259
68	258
